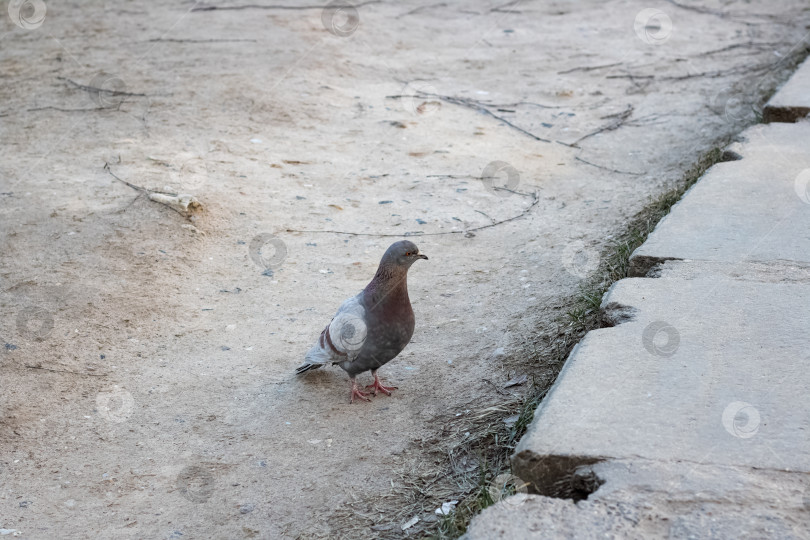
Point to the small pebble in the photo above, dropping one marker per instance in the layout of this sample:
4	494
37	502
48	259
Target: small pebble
246	508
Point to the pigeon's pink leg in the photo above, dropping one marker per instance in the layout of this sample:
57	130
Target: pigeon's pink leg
357	393
379	386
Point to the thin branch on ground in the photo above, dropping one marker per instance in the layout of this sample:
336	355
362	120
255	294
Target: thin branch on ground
174	201
98	90
620	119
516	104
699	9
535	197
630	76
496	387
710	74
133	186
749	44
718	73
421	8
29	366
608	168
471	104
588	68
170	40
276	6
60	109
502	8
723	14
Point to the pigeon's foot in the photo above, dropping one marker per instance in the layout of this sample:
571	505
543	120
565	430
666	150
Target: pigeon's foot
377	385
357	393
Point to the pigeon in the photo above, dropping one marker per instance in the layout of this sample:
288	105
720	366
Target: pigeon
372	328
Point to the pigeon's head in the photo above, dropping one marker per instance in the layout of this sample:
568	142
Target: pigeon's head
403	253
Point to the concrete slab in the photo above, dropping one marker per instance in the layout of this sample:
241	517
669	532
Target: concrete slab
753	209
708	371
687	417
648	499
792	101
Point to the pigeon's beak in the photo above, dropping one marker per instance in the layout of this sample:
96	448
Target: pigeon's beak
420	256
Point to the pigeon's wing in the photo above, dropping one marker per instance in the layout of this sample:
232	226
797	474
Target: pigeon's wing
342	338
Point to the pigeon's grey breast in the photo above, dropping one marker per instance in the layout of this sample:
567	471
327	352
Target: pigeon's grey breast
390	324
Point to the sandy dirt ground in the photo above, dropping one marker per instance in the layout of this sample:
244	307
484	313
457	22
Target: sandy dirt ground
146	370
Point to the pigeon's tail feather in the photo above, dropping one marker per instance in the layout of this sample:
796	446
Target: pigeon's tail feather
316	357
306	367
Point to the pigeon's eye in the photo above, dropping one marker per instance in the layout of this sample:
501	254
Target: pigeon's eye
408	254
